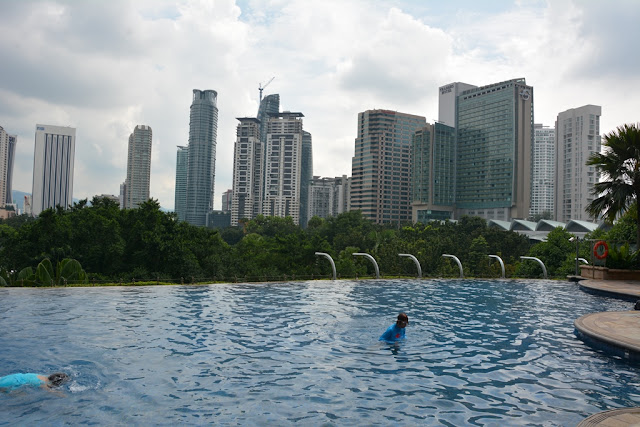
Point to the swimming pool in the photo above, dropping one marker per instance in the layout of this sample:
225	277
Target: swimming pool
477	353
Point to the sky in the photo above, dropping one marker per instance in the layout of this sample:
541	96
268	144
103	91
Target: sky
104	67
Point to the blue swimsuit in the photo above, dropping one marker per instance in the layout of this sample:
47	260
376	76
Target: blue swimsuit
14	381
393	333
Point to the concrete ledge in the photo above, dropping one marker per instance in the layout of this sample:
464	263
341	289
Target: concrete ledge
604	273
616	417
620	329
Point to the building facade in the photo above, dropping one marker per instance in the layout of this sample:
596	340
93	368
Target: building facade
269	105
321	197
381	166
494	127
283	165
433	173
7	155
448	101
11	155
138	167
180	198
306	175
203	131
246	194
543	170
328	196
53	166
577	137
226	201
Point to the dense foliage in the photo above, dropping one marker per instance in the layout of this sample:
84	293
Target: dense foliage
147	244
619	166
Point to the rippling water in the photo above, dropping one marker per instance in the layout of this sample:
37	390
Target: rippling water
477	353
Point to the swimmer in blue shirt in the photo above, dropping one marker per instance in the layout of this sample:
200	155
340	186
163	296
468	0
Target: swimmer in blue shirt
395	332
14	381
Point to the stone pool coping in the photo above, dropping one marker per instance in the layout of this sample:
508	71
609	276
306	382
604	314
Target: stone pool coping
617	332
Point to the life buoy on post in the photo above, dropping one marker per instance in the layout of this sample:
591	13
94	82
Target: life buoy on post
600	249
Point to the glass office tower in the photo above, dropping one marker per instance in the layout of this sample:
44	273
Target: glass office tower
180	201
433	173
494	143
203	130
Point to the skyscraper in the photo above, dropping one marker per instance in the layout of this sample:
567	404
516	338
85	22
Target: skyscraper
306	175
269	105
226	201
246	195
433	173
11	155
381	166
53	161
203	130
283	165
543	170
7	154
138	167
577	137
180	200
494	127
328	196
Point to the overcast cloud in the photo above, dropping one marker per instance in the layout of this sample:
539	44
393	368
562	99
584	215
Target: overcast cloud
106	66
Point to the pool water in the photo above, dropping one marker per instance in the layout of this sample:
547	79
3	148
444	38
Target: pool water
477	353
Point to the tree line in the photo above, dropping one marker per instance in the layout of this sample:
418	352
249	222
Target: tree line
147	244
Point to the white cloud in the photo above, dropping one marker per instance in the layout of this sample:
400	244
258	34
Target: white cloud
105	67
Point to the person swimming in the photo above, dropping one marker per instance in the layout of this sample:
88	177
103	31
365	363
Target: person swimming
395	332
14	381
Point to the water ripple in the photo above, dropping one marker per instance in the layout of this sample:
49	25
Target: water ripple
478	353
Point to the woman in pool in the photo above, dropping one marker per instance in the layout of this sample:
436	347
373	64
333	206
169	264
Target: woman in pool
14	381
395	332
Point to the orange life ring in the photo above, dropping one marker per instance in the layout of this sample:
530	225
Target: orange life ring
600	249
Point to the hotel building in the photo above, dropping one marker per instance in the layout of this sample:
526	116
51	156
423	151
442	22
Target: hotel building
577	137
53	162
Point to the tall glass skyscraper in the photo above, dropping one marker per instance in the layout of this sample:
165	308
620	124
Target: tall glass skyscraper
306	175
53	162
270	104
494	140
138	167
7	155
381	166
433	172
182	163
203	130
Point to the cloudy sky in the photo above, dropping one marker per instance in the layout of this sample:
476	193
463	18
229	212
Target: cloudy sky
106	66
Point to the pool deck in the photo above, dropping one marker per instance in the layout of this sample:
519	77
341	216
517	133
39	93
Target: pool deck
616	329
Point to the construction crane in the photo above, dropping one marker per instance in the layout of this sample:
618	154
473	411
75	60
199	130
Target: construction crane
261	87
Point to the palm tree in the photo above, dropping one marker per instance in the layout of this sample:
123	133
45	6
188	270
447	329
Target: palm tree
620	168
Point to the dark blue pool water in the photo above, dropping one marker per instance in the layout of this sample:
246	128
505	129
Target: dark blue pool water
478	353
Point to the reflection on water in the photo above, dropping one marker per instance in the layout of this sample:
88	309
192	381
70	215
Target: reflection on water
477	353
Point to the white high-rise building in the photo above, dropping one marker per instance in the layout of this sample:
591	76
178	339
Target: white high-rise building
138	167
543	170
283	166
328	196
246	194
577	137
53	160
